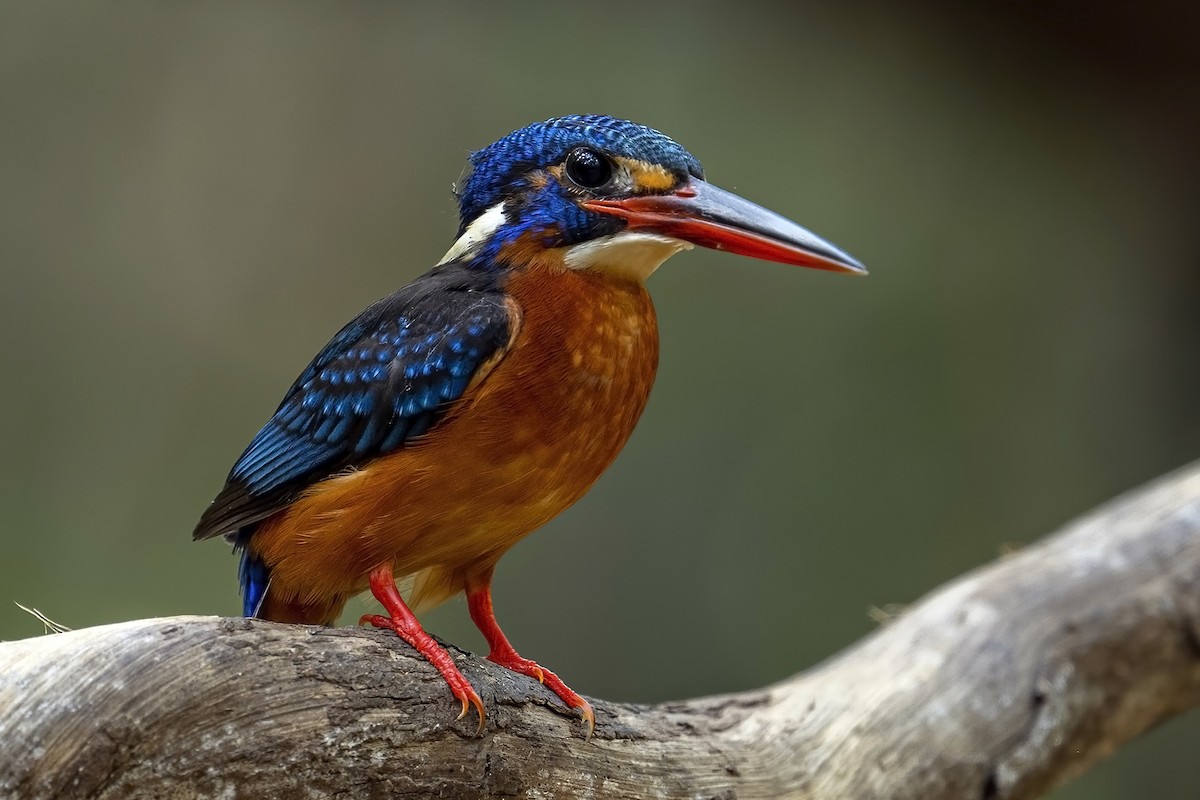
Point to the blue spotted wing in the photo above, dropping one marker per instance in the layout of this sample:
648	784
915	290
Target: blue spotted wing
381	381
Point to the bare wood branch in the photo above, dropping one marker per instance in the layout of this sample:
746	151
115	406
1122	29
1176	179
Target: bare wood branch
1000	685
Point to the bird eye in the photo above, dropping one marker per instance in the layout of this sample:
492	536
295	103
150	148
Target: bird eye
588	168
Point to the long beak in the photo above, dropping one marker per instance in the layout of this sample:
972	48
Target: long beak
706	215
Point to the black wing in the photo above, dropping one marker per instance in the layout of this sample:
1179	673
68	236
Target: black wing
383	379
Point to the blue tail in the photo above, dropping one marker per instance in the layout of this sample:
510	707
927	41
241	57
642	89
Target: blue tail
254	576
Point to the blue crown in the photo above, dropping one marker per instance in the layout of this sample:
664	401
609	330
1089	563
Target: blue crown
498	167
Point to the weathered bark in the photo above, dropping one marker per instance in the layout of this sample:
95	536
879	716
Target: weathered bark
999	685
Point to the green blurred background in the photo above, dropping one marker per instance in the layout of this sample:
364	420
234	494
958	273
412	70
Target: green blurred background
193	197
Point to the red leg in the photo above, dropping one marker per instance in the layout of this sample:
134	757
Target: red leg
406	626
479	601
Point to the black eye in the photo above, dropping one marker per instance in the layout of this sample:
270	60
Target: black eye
587	168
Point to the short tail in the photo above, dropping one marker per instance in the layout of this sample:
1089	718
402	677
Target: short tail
261	603
254	576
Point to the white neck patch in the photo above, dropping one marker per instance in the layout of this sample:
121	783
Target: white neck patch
629	254
478	232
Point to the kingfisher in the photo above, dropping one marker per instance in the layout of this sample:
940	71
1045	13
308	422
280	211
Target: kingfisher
452	418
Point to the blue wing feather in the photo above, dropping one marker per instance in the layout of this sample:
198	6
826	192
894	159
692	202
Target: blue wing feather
384	379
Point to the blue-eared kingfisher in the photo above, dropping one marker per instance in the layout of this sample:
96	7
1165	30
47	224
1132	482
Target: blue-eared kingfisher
449	420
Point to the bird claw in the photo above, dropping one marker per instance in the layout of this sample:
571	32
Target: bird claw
512	661
406	626
516	663
471	698
589	719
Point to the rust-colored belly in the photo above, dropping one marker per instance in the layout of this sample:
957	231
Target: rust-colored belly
528	442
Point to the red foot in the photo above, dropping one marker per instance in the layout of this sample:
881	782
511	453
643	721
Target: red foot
479	601
406	626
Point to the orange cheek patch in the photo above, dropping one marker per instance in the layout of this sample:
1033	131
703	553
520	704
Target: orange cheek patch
529	250
647	177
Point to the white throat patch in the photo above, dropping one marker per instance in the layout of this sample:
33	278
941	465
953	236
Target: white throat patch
478	232
629	254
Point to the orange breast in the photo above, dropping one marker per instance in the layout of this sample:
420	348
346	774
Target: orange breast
525	444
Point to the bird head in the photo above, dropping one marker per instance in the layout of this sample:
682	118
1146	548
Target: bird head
607	194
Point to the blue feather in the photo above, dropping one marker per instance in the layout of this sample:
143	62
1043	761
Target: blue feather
390	374
365	395
497	169
254	577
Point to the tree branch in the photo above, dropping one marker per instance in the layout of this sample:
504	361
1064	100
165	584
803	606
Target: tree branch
1002	684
